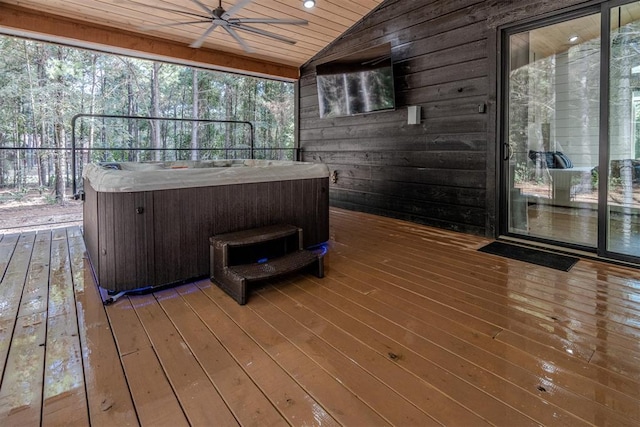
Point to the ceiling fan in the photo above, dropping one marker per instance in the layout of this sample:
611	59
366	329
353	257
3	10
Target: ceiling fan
219	17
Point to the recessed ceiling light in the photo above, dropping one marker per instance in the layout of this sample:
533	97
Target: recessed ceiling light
573	39
308	3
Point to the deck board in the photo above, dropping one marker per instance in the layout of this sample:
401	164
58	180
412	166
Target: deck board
491	297
108	398
516	379
25	319
64	389
196	394
290	399
15	277
386	367
387	402
36	289
7	247
155	401
411	325
341	403
447	372
21	390
248	404
413	315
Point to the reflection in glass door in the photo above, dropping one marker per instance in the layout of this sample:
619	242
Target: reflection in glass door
552	131
623	201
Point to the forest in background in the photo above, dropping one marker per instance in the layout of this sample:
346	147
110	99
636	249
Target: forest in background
42	86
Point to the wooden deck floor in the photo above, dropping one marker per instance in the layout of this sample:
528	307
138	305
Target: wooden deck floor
410	326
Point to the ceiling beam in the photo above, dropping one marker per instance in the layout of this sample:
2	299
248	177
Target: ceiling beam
25	22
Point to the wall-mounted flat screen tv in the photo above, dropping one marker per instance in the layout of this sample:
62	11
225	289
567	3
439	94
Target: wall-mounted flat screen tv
358	83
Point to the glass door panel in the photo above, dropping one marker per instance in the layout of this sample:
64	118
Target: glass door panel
552	132
623	201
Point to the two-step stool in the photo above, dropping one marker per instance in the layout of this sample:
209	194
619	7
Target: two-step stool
246	256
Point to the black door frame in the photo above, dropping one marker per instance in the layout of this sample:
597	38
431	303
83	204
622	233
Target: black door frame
502	151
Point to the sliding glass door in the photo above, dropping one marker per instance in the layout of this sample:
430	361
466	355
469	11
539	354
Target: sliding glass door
552	139
571	132
623	201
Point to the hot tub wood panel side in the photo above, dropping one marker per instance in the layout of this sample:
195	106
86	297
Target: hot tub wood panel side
320	212
161	237
106	239
119	239
90	225
134	260
126	239
315	211
186	219
183	220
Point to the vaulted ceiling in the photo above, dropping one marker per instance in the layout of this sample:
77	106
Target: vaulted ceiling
155	28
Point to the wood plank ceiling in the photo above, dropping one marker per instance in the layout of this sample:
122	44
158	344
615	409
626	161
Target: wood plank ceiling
99	22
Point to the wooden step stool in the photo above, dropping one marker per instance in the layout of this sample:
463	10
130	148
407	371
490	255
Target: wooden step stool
258	254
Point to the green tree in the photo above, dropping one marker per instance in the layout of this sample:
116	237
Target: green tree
42	86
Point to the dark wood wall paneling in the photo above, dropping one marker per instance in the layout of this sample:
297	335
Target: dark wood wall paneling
443	171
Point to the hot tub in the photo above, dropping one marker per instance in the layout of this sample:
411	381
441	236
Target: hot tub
148	224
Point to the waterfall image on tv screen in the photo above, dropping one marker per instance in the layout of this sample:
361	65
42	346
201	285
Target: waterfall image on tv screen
360	83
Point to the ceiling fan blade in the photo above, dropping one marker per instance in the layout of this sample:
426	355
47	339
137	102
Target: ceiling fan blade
198	43
173	24
268	21
262	33
202	6
235	8
239	39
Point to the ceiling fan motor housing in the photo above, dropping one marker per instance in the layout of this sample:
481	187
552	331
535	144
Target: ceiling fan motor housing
218	12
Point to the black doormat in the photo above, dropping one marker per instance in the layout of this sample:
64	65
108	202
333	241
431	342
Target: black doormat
533	256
